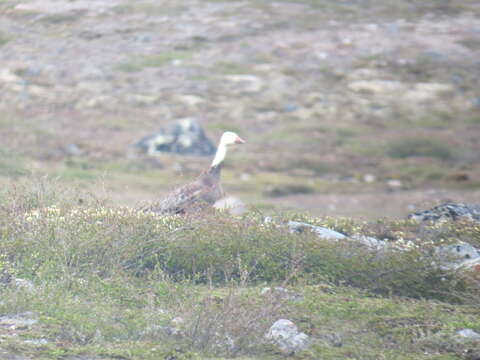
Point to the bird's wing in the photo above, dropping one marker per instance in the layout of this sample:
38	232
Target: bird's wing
180	199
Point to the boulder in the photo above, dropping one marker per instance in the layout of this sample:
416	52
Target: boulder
448	211
286	336
326	233
184	137
468	334
458	256
322	232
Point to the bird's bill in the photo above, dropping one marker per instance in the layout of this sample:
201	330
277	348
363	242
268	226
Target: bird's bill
239	140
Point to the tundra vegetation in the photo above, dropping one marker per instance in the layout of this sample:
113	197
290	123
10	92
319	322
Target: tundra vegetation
115	282
363	109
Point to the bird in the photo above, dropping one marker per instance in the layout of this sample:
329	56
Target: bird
202	192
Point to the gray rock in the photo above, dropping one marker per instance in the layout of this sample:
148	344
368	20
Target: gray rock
23	284
184	137
448	211
325	233
247	83
470	266
322	232
36	342
19	320
190	100
460	255
280	292
468	334
461	251
370	242
286	336
394	184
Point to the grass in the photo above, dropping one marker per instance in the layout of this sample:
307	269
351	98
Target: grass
419	147
116	282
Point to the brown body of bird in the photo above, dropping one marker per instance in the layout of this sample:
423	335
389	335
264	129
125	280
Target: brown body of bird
204	191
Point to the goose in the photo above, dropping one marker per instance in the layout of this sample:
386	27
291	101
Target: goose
202	192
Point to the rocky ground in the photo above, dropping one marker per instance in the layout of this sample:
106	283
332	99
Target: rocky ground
356	105
363	108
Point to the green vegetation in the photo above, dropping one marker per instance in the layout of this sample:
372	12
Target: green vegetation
120	283
420	146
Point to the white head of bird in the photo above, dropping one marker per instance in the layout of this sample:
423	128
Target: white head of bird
228	138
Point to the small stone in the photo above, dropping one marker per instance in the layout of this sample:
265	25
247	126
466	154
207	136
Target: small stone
8	76
286	336
290	107
369	178
321	55
393	28
190	100
372	27
248	83
74	150
394	184
346	41
245	176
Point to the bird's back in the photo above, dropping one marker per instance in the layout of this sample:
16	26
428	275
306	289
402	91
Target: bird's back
203	192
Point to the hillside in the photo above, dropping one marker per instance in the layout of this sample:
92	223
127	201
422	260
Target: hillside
355	114
361	108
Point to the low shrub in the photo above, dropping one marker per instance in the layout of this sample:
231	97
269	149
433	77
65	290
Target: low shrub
76	241
420	146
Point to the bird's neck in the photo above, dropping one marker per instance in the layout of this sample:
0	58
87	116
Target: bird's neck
219	155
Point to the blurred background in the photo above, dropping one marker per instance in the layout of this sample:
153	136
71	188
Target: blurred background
364	108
